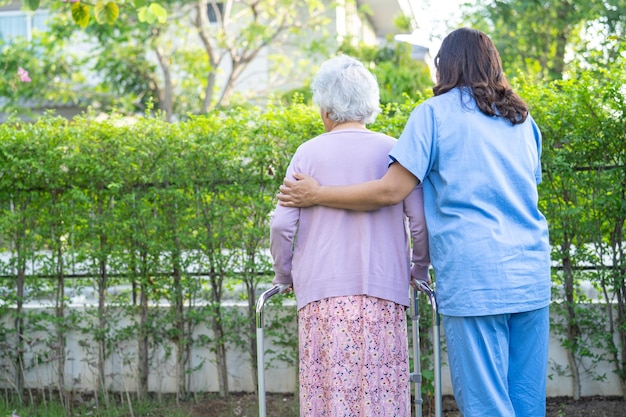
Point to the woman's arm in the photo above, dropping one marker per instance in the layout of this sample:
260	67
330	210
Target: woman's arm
392	188
420	257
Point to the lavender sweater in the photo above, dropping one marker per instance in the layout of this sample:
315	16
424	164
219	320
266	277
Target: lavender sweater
326	252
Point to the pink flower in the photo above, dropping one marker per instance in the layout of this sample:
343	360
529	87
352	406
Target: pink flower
23	74
71	1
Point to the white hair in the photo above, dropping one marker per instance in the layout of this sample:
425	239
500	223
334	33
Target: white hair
345	89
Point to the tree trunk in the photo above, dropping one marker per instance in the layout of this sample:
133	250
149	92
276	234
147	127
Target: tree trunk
167	97
561	39
179	323
572	328
19	327
60	330
252	331
143	353
19	249
208	92
219	334
214	62
102	323
619	291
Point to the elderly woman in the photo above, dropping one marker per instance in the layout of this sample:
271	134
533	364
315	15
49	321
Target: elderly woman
350	270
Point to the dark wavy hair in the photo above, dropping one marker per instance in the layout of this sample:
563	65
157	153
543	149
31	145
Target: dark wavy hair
468	58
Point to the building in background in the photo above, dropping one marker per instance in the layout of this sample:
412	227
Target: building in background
261	78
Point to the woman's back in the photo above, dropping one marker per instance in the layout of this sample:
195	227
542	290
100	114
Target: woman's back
340	252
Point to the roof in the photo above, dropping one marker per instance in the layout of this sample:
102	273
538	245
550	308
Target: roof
385	11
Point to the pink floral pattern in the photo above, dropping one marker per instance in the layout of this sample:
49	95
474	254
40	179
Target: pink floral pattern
354	359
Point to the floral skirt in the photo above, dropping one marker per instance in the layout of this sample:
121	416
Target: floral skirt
354	359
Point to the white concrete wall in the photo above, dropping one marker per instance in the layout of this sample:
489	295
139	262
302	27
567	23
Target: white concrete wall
81	372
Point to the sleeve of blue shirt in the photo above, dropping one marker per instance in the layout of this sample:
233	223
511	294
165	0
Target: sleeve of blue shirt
414	149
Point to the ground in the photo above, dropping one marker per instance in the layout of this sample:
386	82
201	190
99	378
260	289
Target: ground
282	405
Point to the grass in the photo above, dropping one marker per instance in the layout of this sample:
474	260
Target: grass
202	405
80	408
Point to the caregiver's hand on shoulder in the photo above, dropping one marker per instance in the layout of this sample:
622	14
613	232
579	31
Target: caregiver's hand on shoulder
299	193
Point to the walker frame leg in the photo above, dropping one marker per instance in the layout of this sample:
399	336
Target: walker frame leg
260	344
416	375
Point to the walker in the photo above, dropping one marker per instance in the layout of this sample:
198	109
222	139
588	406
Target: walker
415	376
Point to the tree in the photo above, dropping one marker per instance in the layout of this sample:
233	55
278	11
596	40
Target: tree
263	24
398	74
535	36
191	58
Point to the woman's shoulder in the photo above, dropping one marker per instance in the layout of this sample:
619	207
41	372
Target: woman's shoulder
383	136
455	95
445	105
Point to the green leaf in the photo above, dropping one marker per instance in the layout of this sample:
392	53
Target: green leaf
143	14
99	13
113	11
106	13
80	14
152	13
159	12
31	4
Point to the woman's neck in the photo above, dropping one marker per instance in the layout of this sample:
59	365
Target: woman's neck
348	125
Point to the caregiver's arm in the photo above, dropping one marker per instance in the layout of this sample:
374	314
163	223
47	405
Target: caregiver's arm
391	189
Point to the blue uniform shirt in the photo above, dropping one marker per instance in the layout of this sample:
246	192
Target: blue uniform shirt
488	240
